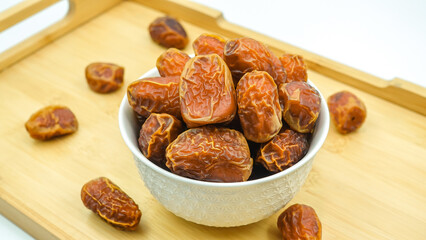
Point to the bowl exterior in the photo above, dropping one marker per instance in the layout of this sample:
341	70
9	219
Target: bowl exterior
223	207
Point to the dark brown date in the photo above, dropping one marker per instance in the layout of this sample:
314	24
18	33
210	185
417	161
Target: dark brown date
113	205
209	44
299	222
139	119
158	131
259	106
50	122
104	77
172	62
207	93
347	111
155	95
301	105
283	151
168	32
295	67
244	55
210	154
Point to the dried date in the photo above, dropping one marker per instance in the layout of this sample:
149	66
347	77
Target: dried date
158	131
301	105
50	122
210	154
172	62
295	67
244	55
155	95
104	77
168	32
347	111
258	106
279	70
209	44
113	205
207	93
283	151
299	222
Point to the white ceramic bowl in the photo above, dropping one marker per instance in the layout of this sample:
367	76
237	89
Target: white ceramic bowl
221	204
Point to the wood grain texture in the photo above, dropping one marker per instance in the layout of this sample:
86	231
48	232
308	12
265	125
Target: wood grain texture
365	185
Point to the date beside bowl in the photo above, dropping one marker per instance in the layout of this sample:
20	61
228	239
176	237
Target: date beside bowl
216	203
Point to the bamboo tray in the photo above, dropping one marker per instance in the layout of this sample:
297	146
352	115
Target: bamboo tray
366	185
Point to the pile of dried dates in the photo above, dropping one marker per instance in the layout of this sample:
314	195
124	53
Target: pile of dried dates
209	116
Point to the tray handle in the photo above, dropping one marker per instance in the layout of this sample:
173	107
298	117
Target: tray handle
79	12
22	11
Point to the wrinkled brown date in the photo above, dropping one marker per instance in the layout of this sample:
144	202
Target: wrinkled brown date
347	111
210	154
283	151
51	121
113	205
207	93
209	44
301	105
158	131
168	32
244	55
155	95
104	77
295	67
258	106
299	222
172	62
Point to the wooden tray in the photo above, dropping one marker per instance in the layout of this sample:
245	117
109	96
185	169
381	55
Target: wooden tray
366	185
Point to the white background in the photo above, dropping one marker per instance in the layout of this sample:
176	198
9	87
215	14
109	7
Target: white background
384	38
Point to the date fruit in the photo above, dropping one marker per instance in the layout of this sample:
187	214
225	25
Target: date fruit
113	205
155	95
207	93
244	55
51	121
209	44
210	154
283	151
168	32
299	222
347	111
259	106
172	62
295	67
158	131
301	105
104	77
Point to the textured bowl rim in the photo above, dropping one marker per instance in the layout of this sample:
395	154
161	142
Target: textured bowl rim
321	135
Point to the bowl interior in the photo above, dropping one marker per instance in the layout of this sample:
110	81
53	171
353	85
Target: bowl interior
129	131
